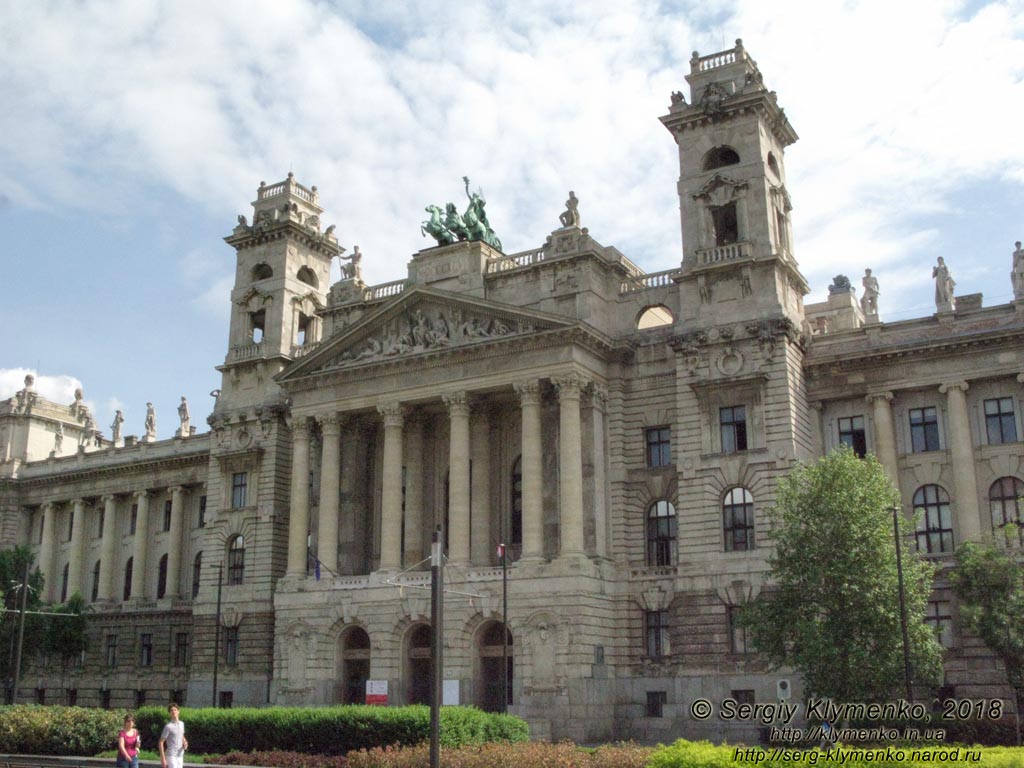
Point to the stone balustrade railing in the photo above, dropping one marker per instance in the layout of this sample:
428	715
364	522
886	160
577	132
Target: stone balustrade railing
301	350
723	253
720	59
631	269
245	351
653	280
385	290
516	260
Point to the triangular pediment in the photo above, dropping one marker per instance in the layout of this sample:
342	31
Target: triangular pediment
424	321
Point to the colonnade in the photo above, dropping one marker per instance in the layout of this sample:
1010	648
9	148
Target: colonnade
53	512
469	534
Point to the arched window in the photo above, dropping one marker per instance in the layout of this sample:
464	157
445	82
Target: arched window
719	157
197	571
661	533
161	580
128	578
96	581
236	560
417	679
935	528
654	317
491	648
773	165
64	584
738	520
355	665
1004	503
515	532
307	276
261	272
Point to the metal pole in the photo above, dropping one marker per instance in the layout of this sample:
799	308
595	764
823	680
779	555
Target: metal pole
437	635
903	604
504	628
21	633
216	633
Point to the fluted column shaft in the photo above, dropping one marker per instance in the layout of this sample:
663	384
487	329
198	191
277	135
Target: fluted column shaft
570	465
391	491
414	492
458	477
961	448
480	496
298	516
330	490
885	433
174	544
106	585
599	399
533	521
140	546
77	546
47	549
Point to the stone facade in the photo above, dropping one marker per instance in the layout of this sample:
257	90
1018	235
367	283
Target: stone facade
621	432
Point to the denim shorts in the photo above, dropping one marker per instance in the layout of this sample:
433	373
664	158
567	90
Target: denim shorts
122	763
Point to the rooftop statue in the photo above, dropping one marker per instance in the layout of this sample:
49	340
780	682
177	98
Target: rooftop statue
570	217
1017	275
944	285
472	225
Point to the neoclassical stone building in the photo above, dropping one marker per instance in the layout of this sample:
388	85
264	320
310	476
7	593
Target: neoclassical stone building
621	431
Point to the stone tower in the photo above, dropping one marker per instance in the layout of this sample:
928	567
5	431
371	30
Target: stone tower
281	282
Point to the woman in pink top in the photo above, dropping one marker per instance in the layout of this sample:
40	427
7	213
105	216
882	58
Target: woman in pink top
128	744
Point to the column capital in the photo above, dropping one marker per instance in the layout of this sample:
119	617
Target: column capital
528	391
109	498
457	402
871	397
140	495
963	386
300	428
819	406
330	424
176	490
570	386
1020	378
599	395
392	412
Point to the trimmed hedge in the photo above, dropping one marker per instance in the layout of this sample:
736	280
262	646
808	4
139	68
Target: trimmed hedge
328	730
535	754
28	729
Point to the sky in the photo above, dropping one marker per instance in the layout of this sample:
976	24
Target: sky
133	133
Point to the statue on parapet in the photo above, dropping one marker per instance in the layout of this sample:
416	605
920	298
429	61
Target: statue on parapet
570	217
1017	276
115	428
185	417
869	301
150	422
352	270
944	285
472	225
58	439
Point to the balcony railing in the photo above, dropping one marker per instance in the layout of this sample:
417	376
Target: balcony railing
653	280
723	253
516	260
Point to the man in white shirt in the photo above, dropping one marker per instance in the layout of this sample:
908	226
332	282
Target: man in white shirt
172	741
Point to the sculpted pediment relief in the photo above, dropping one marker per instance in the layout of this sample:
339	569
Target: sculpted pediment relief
427	321
720	190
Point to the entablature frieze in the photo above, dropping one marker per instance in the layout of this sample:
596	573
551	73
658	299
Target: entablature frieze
138	473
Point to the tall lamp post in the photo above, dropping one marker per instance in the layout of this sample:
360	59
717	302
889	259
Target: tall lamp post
903	603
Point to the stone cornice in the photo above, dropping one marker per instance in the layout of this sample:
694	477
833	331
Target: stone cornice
292	230
126	470
758	101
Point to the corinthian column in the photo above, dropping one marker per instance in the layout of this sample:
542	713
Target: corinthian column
47	548
480	496
885	434
570	465
77	544
533	523
458	478
413	491
330	489
962	459
173	589
141	546
298	515
105	592
391	490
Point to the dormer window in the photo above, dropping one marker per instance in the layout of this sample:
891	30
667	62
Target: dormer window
719	157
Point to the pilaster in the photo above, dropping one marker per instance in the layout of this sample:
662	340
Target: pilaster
962	460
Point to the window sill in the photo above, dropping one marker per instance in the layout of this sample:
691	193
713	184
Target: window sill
747	452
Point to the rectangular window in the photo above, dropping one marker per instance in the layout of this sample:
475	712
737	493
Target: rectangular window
105	698
738	640
202	511
656	701
111	650
924	429
140	699
999	421
231	646
167	515
732	422
134	519
100	524
145	650
941	620
659	448
71	524
656	633
72	697
742	696
180	650
851	433
178	696
40	696
227	698
239	480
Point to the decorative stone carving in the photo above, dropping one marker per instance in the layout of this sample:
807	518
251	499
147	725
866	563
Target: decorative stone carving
185	417
713	98
115	427
393	414
570	217
150	424
944	285
1017	275
352	270
720	190
58	439
678	98
457	403
88	431
570	386
703	289
840	284
528	391
869	301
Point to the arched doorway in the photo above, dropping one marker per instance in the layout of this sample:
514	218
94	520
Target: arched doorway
355	665
417	679
490	688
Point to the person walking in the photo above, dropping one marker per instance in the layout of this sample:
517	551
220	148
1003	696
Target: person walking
172	741
128	744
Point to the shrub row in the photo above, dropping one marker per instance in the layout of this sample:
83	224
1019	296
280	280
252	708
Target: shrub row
78	731
278	759
328	730
521	755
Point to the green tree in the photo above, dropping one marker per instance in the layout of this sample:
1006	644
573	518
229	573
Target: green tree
989	582
66	636
12	571
833	612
